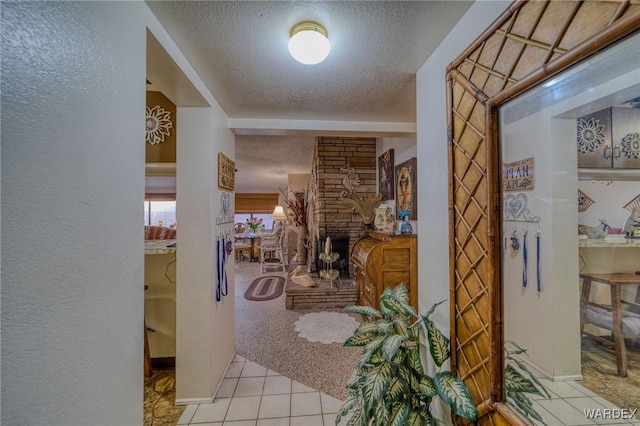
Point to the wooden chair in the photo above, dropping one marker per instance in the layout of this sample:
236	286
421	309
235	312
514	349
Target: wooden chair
622	323
271	245
241	246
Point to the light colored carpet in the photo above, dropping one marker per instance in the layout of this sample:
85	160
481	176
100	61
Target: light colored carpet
265	334
326	327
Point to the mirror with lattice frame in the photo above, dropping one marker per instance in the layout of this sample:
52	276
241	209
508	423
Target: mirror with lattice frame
530	43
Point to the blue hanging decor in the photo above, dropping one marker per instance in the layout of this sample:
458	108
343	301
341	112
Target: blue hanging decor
538	271
524	260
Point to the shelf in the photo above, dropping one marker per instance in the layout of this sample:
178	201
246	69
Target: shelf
609	174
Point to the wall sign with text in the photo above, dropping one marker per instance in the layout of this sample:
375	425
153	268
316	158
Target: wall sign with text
518	175
226	172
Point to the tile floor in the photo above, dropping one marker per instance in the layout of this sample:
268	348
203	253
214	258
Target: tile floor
251	395
568	403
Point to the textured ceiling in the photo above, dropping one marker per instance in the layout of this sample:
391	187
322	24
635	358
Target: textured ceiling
239	49
263	162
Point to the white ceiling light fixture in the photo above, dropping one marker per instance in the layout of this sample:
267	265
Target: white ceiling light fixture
309	43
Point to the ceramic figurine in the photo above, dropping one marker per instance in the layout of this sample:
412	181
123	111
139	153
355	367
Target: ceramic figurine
595	232
632	225
406	227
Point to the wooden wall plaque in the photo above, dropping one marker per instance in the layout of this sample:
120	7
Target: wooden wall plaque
226	172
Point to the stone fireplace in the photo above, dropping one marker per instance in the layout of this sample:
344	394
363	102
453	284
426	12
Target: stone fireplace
332	217
341	246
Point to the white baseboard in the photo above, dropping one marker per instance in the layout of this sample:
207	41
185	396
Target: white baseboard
193	401
568	378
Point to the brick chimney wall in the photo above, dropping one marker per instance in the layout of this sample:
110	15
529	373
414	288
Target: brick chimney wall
334	218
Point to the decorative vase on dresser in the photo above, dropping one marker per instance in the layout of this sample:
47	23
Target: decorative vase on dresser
384	260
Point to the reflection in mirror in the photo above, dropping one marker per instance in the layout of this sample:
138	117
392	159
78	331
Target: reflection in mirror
563	238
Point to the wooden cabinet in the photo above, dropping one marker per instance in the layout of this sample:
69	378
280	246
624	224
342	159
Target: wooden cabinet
382	260
609	139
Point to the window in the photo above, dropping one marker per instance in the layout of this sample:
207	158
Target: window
160	213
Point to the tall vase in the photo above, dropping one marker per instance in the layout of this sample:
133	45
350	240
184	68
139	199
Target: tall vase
301	249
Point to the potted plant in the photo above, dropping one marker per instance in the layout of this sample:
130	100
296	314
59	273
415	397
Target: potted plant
389	385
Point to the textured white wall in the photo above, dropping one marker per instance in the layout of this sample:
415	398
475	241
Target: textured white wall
73	99
205	329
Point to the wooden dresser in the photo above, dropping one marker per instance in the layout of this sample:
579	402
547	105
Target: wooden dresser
382	260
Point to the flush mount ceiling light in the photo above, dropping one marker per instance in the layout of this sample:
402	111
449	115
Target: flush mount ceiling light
309	43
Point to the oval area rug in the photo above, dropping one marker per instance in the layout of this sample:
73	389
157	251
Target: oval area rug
265	288
326	327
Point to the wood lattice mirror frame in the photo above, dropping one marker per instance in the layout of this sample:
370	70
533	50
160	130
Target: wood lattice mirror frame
530	42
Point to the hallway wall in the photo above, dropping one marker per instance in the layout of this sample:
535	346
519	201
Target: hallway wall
72	236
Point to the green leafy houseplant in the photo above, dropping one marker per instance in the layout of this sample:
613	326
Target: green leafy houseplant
389	386
520	381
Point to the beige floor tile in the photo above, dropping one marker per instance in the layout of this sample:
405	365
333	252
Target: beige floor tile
305	404
273	406
213	412
243	408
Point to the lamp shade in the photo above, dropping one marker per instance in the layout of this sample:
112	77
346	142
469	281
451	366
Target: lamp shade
309	43
278	214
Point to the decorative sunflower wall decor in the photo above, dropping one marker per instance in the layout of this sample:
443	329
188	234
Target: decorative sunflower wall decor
631	145
157	124
590	135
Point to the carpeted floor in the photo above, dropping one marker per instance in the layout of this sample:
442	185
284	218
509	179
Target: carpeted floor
600	374
265	334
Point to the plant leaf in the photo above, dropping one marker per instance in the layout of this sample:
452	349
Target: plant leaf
380	326
453	392
427	387
419	418
376	384
399	414
532	377
401	293
347	405
361	339
375	344
516	382
397	388
524	405
438	342
433	308
364	310
391	345
390	302
401	326
414	360
356	378
381	414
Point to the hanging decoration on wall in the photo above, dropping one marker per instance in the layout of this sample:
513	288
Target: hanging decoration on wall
516	211
226	172
538	270
525	260
224	244
635	202
584	201
364	206
157	124
406	189
631	145
385	174
518	175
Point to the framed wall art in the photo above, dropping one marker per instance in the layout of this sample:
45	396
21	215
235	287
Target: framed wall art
385	175
226	172
406	189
